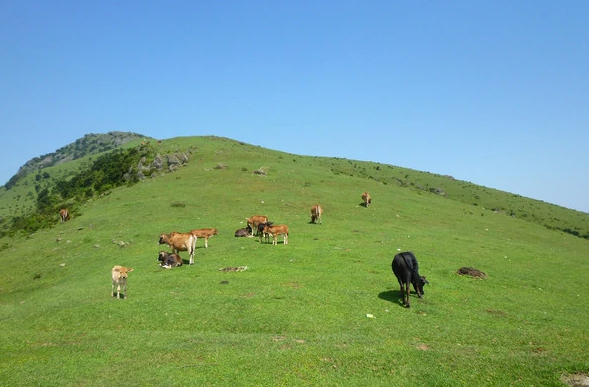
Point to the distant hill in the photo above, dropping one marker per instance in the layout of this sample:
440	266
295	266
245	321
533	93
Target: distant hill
20	197
90	144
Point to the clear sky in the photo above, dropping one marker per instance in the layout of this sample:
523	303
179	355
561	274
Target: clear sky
493	92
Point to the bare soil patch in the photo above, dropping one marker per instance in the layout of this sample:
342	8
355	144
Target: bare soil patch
471	272
231	268
575	380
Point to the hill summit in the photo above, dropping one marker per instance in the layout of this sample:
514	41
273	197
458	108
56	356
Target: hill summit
90	144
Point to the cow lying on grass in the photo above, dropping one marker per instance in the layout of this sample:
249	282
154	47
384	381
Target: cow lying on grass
119	280
406	270
244	232
169	260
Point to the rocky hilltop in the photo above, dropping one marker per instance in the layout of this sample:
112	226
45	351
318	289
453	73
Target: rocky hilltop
90	144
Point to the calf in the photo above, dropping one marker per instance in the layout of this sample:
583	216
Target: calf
169	260
406	270
316	212
64	214
119	279
366	199
254	220
244	232
204	233
180	242
275	231
261	232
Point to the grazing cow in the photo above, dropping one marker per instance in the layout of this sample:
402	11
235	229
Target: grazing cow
254	220
180	242
204	233
316	212
169	260
244	232
366	199
119	279
261	233
64	214
275	231
406	270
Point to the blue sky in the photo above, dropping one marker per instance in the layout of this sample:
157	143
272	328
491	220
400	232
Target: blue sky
491	92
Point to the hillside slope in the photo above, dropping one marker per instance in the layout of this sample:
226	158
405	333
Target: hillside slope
19	200
322	310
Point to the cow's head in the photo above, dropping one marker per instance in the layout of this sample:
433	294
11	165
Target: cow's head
262	226
162	256
215	232
163	239
418	285
124	271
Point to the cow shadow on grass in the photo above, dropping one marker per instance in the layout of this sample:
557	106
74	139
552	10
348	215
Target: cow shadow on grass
393	296
363	205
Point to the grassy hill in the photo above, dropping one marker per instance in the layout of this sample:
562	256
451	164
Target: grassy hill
298	314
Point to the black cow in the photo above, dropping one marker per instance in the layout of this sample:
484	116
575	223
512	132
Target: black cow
169	260
406	270
244	232
261	227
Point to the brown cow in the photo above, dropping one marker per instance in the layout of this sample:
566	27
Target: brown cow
180	242
316	212
261	233
254	220
64	214
204	233
366	199
119	279
275	231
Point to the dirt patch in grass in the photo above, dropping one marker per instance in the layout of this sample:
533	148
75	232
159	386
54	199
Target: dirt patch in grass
471	272
231	268
575	380
496	312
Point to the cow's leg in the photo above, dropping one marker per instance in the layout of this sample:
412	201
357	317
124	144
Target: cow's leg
206	243
112	292
407	292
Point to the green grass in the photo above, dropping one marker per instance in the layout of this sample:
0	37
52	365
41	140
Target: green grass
298	315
